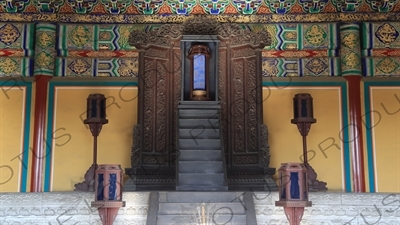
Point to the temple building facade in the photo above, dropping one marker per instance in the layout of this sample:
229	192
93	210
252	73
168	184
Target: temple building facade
199	96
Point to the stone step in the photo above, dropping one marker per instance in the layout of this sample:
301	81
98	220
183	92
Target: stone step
203	179
200	144
201	188
198	123
191	208
196	113
196	219
199	133
200	196
201	167
200	155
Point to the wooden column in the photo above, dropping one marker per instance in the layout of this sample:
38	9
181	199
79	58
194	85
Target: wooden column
350	53
43	71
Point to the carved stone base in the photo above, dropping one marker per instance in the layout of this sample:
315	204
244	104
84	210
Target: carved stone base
88	183
313	183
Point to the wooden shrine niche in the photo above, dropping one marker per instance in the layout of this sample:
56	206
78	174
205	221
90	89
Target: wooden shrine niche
236	53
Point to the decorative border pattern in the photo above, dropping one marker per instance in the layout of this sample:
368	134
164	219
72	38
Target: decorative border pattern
232	18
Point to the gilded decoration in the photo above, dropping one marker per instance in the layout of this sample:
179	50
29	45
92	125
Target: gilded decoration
45	40
188	7
9	34
350	40
43	60
316	66
386	34
222	18
80	36
269	68
387	66
8	65
351	60
128	67
79	66
315	35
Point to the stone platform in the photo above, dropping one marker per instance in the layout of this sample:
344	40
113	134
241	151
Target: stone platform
67	208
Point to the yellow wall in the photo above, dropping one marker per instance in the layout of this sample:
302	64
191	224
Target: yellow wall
385	105
12	121
323	139
73	147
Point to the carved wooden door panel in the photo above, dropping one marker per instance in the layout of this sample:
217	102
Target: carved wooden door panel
244	90
159	94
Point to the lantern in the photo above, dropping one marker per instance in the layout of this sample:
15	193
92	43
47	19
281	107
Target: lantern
108	192
199	56
95	117
293	191
303	117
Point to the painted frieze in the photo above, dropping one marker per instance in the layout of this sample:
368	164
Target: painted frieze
285	67
45	49
94	37
382	66
16	66
16	39
186	7
303	36
380	35
97	67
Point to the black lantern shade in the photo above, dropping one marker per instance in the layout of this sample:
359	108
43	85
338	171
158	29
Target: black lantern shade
303	109
96	109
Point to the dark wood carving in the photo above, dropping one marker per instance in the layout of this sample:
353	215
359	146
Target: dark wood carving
239	91
159	88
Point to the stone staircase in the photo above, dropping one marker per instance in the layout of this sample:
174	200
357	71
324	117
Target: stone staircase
201	208
200	164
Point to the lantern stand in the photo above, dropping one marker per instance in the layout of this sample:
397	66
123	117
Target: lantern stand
108	192
95	118
293	191
303	118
